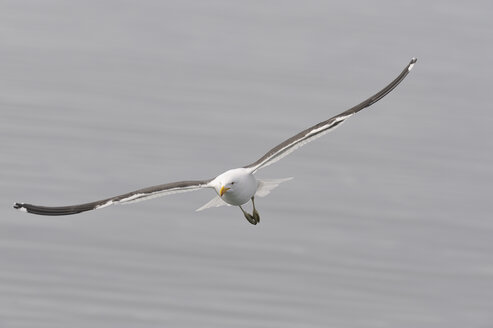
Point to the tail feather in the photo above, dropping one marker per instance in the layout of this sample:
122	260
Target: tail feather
265	186
214	202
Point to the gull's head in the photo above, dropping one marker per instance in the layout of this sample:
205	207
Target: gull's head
226	187
230	182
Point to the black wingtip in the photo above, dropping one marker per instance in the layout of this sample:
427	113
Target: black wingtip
58	210
20	207
411	63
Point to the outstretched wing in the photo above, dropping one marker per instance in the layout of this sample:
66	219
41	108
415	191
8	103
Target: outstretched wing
322	128
134	196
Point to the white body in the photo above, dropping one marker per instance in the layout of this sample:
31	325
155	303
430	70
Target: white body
241	183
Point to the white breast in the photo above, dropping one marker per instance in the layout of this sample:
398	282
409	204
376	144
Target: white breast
243	189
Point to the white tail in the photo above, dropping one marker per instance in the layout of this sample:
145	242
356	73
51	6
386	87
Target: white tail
214	202
265	186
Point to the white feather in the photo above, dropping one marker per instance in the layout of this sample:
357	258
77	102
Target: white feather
265	186
290	148
214	202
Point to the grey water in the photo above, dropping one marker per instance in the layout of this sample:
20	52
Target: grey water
386	224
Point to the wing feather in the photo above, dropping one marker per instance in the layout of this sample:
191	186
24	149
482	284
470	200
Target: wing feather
316	131
131	197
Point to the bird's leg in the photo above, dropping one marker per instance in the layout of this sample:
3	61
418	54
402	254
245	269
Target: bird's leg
249	217
256	216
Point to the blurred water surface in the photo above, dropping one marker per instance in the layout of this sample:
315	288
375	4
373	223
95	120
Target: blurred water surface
386	224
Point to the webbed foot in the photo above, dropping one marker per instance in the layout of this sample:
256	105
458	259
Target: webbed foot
256	216
253	219
250	218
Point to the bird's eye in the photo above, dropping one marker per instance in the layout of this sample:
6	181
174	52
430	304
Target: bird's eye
233	183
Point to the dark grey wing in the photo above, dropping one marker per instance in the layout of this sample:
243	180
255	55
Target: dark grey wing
134	196
322	128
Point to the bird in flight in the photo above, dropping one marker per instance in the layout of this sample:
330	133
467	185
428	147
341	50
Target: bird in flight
234	187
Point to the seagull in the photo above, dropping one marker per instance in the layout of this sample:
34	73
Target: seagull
234	187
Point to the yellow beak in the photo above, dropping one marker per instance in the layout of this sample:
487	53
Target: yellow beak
223	190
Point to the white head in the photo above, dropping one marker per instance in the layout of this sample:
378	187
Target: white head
236	186
226	181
